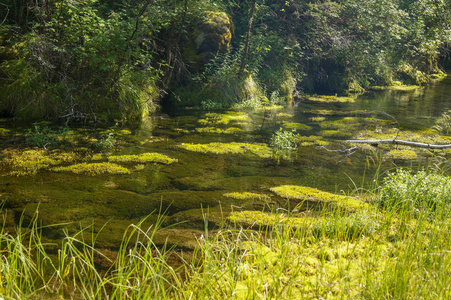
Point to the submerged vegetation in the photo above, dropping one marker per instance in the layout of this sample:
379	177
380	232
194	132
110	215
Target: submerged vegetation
143	158
93	169
394	247
261	150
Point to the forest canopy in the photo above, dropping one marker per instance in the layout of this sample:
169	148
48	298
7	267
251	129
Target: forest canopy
103	60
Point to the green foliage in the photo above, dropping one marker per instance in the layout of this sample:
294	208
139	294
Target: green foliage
107	139
410	192
283	139
106	142
43	136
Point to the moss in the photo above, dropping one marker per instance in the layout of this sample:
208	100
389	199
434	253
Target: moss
323	112
247	196
284	115
261	150
215	130
329	99
296	126
4	132
143	158
403	153
225	119
400	88
29	162
93	169
312	140
302	193
348	123
317	119
335	134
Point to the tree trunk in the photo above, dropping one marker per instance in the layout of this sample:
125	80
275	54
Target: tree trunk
248	38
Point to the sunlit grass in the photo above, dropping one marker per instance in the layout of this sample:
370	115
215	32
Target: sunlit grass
396	247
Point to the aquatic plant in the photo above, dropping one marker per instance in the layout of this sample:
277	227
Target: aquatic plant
372	253
399	88
329	99
29	162
226	118
247	195
283	139
143	158
284	115
313	140
347	123
106	142
93	169
216	130
402	153
337	134
302	193
296	126
261	150
317	119
43	136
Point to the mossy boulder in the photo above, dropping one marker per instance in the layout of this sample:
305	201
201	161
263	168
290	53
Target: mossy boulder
214	33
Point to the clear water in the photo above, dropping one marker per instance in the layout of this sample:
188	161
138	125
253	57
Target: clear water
196	185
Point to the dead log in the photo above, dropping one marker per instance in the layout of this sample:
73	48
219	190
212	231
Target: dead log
400	142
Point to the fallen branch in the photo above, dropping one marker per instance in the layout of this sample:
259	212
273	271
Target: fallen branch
400	142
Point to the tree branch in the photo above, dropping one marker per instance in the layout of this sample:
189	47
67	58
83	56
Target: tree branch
400	142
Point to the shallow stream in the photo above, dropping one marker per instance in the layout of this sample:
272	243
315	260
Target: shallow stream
198	186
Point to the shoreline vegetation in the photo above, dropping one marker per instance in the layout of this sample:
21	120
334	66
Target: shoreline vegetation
394	246
94	61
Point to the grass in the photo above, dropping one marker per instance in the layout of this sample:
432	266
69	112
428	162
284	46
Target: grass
395	247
